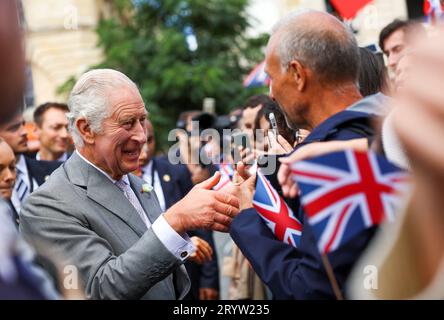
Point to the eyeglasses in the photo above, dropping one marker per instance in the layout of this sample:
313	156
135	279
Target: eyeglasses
300	137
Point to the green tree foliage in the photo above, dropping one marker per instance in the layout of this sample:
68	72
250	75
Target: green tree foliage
149	41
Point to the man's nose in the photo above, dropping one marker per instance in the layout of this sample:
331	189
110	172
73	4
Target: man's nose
9	175
270	92
23	131
140	133
392	61
64	133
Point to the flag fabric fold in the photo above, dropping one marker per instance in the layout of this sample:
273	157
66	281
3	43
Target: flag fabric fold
271	207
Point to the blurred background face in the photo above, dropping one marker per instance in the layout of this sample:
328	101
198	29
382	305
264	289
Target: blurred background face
7	170
15	134
247	120
149	147
53	133
394	47
261	139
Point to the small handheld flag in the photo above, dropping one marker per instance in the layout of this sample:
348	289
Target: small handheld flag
271	207
276	213
257	77
226	171
344	193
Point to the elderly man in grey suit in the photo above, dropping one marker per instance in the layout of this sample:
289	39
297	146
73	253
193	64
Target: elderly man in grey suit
92	211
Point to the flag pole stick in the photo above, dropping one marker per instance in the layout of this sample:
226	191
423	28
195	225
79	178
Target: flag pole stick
332	278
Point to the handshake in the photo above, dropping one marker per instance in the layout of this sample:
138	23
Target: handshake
205	208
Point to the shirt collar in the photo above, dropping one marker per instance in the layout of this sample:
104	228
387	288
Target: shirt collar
124	177
148	167
21	164
63	158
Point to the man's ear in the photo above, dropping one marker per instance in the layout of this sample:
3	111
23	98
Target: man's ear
298	73
37	131
85	131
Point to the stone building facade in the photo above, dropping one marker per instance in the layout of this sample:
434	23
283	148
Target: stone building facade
60	42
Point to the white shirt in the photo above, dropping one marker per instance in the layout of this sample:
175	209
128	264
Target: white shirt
147	177
21	165
63	158
180	246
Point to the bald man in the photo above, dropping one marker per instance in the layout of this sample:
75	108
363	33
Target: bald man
313	62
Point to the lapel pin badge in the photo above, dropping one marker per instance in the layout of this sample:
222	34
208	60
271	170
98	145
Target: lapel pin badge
166	178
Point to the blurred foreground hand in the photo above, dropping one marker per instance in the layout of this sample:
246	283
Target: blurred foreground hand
203	253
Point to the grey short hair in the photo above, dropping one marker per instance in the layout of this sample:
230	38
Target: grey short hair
331	53
89	99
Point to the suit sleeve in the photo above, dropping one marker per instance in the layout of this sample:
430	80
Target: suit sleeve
46	219
291	273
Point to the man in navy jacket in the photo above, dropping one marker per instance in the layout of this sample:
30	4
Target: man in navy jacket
313	63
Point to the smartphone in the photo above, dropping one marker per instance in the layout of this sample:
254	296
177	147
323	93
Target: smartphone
241	139
274	127
273	123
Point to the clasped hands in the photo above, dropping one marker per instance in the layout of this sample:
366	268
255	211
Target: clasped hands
205	208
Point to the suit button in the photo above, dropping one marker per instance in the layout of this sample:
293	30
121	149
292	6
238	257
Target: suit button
184	254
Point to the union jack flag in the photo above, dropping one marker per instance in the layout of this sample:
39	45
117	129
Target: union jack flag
346	192
257	77
226	170
276	213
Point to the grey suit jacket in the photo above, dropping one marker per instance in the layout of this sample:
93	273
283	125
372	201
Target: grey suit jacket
81	215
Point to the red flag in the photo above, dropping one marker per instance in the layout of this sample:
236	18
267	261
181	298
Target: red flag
349	8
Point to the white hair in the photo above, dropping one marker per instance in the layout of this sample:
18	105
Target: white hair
89	99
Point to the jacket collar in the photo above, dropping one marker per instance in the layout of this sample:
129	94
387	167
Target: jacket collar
330	125
100	189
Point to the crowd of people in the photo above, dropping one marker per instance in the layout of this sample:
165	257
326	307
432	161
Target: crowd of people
91	209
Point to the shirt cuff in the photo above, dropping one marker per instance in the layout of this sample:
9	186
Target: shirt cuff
180	246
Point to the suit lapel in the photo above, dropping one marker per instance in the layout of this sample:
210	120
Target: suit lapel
167	188
101	190
30	176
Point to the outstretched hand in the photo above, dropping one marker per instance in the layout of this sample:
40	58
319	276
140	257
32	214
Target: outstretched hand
203	253
204	208
243	186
